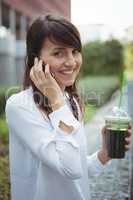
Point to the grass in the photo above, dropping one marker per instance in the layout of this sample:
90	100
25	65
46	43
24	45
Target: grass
98	89
4	177
4	160
90	110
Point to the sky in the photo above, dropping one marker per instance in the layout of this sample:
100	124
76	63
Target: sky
115	13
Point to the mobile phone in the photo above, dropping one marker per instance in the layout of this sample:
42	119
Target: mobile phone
43	66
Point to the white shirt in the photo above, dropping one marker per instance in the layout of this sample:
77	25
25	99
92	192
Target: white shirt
46	163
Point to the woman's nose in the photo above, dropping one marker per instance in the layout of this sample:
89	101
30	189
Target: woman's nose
70	61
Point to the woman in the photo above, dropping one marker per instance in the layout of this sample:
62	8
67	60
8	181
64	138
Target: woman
48	156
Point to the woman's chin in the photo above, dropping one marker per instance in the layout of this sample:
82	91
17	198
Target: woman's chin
65	83
68	83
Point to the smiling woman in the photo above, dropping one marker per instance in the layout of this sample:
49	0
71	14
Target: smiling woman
48	152
57	42
64	62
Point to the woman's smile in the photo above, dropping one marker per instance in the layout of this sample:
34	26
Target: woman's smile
67	76
66	72
65	62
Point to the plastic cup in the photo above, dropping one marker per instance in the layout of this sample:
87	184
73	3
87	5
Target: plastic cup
117	127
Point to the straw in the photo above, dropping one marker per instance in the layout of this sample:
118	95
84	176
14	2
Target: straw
123	84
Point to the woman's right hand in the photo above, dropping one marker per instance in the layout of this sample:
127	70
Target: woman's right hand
46	83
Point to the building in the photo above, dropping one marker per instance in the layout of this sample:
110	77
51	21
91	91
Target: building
16	14
15	17
129	34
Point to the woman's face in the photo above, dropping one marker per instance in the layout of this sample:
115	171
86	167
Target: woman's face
64	62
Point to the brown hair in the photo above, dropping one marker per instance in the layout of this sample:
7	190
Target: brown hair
57	29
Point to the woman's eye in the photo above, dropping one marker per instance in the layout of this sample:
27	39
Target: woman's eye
76	51
59	54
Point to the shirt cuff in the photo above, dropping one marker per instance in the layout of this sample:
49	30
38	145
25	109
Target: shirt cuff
99	166
65	115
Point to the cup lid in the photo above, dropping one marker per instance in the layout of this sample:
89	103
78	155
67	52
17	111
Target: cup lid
120	119
118	114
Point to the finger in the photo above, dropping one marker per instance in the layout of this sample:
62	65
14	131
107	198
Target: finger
32	77
128	140
129	126
127	147
37	68
35	62
104	130
40	71
129	132
47	72
40	65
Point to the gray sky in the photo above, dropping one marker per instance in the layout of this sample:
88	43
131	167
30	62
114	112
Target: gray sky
116	13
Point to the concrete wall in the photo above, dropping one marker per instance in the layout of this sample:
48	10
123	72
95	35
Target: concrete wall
20	61
7	59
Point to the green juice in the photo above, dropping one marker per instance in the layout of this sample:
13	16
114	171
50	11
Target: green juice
116	132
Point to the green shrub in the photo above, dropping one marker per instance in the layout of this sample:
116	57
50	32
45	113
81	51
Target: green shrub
102	58
4	173
128	59
4	160
5	93
3	130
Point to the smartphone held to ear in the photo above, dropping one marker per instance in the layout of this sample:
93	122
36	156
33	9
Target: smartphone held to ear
43	66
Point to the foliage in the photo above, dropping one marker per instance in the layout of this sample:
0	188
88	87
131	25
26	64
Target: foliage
102	58
129	55
3	129
128	58
5	93
4	173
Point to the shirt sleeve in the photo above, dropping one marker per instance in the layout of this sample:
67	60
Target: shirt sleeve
94	164
55	148
64	114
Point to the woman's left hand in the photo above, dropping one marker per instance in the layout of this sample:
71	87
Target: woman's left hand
103	153
127	140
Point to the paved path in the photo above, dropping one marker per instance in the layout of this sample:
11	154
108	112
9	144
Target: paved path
113	184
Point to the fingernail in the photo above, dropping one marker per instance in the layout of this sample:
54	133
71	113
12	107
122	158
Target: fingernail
35	60
52	74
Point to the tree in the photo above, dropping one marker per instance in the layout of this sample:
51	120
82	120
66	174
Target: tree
102	58
128	54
